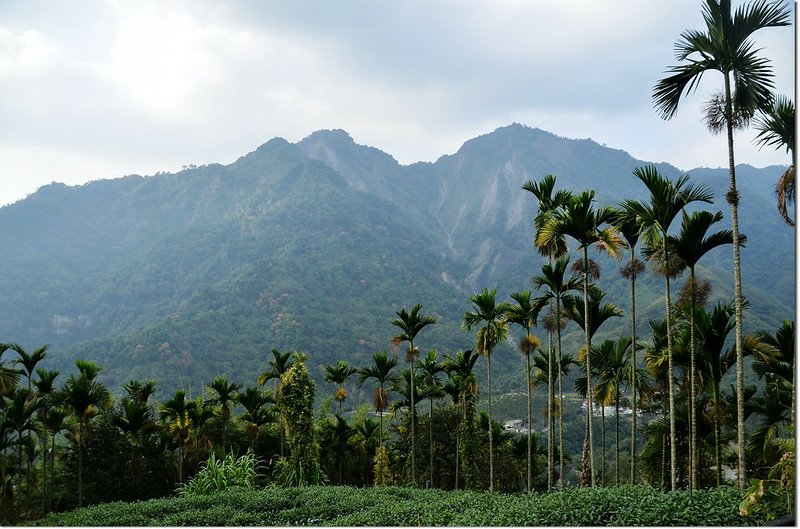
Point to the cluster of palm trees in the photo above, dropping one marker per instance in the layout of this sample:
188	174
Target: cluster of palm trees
76	437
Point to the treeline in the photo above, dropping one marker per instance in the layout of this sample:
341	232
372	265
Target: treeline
70	443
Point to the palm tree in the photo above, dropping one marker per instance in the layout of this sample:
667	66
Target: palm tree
410	324
338	374
8	376
494	331
45	392
776	127
19	409
135	420
381	372
712	332
365	440
463	387
628	226
431	389
558	288
594	312
667	199
280	363
224	398
549	201
616	361
29	361
727	47
53	424
83	395
175	413
256	414
583	223
690	246
524	313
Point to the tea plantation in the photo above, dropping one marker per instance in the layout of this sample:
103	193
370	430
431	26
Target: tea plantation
394	506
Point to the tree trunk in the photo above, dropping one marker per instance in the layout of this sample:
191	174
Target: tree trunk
693	387
550	419
530	418
672	455
413	409
603	444
733	200
589	387
616	462
633	374
491	446
430	438
81	430
560	399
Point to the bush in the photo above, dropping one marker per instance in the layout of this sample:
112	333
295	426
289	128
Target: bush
395	506
217	476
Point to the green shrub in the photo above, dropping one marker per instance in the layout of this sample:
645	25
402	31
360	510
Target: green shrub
216	476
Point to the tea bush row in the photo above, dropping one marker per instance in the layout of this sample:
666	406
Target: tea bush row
390	506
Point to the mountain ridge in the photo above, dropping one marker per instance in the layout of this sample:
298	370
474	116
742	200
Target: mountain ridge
313	245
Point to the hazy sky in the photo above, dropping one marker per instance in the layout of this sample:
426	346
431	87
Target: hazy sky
101	89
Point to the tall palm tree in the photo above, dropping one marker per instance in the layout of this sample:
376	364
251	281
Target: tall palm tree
410	324
280	363
549	202
381	371
19	413
667	199
775	127
82	394
594	313
582	222
135	420
254	401
224	398
8	375
29	361
338	374
432	389
524	313
175	413
629	228
553	277
727	47
690	246
53	424
46	393
494	330
463	385
712	332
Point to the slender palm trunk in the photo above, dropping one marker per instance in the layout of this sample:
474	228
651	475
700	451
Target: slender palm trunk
530	417
589	387
413	436
616	459
733	200
693	388
430	437
560	399
663	461
671	382
717	451
491	445
44	474
602	444
550	421
633	372
81	431
52	474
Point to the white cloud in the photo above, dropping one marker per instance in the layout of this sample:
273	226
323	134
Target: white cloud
154	85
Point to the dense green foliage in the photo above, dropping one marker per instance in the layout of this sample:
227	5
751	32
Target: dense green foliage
217	476
391	506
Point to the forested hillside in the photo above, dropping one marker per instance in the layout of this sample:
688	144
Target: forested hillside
313	246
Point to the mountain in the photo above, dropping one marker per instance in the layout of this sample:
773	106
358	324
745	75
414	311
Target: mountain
313	246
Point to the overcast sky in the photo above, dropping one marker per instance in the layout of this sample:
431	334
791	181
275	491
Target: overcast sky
101	89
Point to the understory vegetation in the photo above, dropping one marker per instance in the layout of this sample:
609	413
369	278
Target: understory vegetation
400	506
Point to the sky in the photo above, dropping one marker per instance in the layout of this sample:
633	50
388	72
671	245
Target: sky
99	89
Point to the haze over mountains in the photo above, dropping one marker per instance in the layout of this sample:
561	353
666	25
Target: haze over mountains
313	246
